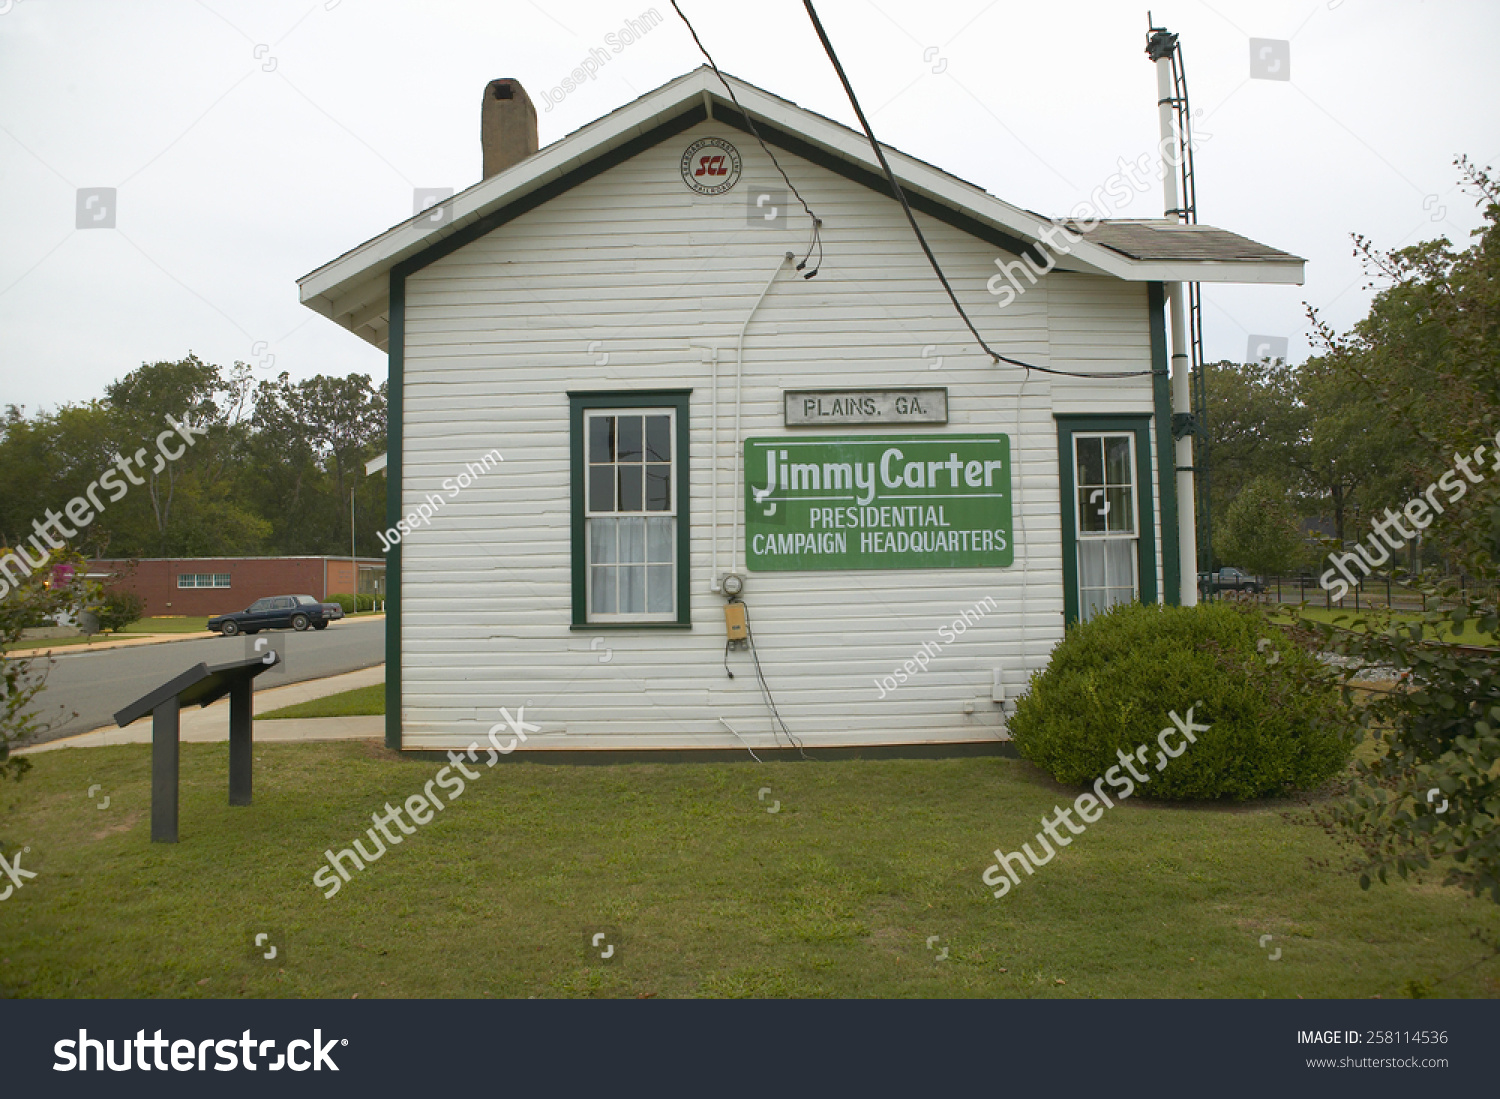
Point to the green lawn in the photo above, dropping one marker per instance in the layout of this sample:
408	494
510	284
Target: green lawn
705	893
169	624
1468	635
51	643
359	702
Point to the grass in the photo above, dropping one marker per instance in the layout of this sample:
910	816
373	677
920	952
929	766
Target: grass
196	623
359	702
51	643
166	624
1468	634
703	891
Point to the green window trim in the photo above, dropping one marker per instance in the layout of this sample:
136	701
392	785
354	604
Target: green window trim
580	401
1140	426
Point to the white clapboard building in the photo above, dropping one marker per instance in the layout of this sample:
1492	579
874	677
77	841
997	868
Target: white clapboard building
615	402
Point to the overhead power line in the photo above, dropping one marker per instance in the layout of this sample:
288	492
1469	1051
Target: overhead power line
915	228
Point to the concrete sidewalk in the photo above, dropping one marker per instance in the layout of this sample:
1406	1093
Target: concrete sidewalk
207	726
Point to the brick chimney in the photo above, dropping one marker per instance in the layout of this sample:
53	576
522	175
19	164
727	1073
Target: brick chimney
507	126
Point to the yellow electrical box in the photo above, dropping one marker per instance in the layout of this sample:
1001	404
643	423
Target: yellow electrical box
734	619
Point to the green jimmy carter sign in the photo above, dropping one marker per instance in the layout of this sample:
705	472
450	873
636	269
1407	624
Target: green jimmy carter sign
897	502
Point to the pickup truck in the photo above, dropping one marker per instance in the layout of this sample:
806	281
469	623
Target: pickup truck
1229	579
296	612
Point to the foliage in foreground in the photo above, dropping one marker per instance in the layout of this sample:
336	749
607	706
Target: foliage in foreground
47	592
1276	721
1430	795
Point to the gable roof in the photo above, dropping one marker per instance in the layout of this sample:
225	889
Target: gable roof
354	288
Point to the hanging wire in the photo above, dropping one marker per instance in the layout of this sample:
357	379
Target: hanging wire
910	217
817	222
766	687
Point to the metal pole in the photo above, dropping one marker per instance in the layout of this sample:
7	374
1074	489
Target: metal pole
353	560
241	743
1182	397
164	750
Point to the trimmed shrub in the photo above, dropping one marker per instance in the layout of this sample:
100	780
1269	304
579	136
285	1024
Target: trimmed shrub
345	601
1276	719
118	609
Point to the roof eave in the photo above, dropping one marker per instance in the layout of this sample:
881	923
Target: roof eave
353	290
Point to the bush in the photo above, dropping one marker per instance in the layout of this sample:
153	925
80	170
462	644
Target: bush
1276	720
118	609
345	601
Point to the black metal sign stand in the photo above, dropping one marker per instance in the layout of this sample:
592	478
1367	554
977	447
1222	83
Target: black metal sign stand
205	686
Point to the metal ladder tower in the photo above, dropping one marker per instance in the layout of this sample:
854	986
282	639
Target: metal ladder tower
1162	43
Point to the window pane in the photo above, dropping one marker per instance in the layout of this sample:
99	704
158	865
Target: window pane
1120	564
1093	509
1090	461
1117	459
659	540
629	442
601	438
1091	564
1121	511
658	488
659	588
1092	603
602	583
658	438
601	488
632	540
630	488
602	541
632	589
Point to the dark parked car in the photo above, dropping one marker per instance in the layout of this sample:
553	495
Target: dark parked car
296	612
1229	579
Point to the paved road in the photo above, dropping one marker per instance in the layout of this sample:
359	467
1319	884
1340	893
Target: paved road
97	684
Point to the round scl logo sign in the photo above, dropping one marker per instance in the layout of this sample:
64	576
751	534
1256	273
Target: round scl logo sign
711	166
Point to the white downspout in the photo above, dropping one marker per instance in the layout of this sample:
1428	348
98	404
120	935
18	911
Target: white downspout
713	449
1182	397
739	374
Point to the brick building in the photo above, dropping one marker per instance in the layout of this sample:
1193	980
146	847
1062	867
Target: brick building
213	585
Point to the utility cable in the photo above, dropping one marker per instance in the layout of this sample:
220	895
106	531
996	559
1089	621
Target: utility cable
817	222
932	259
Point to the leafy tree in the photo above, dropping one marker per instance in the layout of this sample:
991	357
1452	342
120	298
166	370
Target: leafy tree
1428	794
1428	357
28	601
1259	531
1251	423
188	506
309	447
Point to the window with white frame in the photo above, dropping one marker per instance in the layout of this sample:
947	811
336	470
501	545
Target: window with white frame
630	514
203	580
1107	520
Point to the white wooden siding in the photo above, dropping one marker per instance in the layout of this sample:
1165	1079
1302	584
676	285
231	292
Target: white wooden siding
498	331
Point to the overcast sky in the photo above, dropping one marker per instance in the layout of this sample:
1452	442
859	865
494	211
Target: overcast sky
250	142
